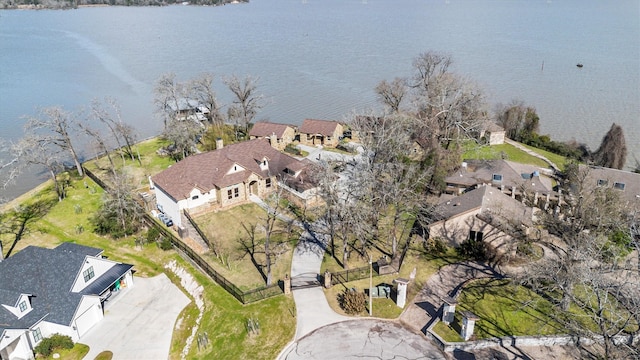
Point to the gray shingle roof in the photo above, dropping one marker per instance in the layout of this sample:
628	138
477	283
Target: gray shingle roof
513	174
48	275
485	199
80	249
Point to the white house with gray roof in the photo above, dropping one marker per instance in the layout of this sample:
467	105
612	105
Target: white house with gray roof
48	291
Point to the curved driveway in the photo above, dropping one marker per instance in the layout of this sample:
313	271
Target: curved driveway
363	339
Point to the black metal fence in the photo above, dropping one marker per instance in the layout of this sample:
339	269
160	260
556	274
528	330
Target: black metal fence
345	276
244	297
198	230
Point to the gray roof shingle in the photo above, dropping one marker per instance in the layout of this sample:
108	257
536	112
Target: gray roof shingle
48	276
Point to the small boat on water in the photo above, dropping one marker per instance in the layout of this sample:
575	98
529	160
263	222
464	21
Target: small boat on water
579	65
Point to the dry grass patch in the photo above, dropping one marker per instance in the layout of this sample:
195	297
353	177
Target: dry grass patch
226	228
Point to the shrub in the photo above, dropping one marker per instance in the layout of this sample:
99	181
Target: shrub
56	341
352	301
435	246
477	250
164	243
291	149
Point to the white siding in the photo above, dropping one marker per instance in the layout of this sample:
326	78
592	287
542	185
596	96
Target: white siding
169	206
15	345
88	314
100	266
47	329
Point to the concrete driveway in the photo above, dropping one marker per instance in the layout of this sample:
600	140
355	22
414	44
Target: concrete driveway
362	339
138	323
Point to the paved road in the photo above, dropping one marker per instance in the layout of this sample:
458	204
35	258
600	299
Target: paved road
138	324
363	339
313	310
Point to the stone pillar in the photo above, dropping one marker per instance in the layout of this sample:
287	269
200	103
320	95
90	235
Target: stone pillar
546	204
327	279
402	291
287	284
468	322
448	310
502	188
535	198
513	192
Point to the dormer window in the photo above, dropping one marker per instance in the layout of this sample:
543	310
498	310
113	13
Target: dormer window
88	274
23	306
618	186
602	182
497	177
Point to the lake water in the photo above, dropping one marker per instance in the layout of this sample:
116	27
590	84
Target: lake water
322	58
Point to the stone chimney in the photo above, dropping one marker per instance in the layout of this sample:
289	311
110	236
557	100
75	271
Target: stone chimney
219	144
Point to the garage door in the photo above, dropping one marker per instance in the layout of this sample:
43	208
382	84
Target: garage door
89	318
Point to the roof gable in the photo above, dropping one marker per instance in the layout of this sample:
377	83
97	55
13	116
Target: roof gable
268	129
322	127
210	170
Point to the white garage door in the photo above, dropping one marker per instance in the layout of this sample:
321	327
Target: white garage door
89	318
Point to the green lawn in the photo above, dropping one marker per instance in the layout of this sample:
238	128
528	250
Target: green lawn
506	309
504	151
225	317
559	160
225	323
382	307
226	228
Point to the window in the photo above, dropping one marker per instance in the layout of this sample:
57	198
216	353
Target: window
475	235
195	197
37	335
229	194
267	182
23	306
497	177
618	185
602	182
88	274
236	192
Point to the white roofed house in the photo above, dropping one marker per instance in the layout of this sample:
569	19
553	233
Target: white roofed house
49	291
225	177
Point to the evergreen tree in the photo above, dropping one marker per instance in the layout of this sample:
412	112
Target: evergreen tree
612	152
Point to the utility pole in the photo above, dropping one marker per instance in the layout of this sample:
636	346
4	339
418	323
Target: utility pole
370	286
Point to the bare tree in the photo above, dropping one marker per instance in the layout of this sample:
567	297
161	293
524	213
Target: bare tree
588	270
9	166
34	150
246	103
53	128
612	152
391	94
184	134
123	133
167	96
201	89
278	231
120	213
